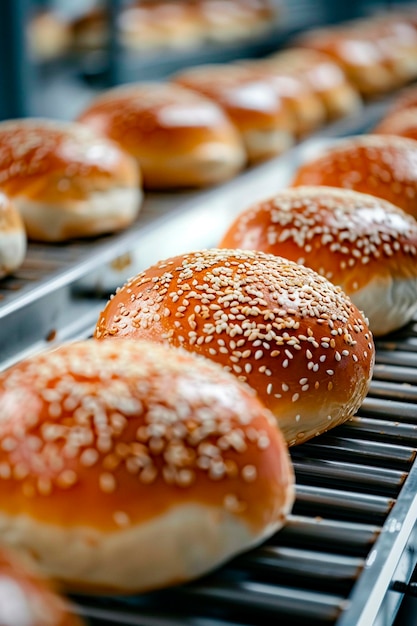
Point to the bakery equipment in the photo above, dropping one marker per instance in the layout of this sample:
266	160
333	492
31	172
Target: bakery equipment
347	554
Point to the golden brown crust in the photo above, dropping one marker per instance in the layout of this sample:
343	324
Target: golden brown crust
306	108
383	166
26	598
346	236
357	241
49	161
178	137
251	103
401	122
323	75
65	180
358	53
280	327
111	435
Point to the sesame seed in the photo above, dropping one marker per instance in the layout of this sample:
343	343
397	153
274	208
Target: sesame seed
233	504
107	482
67	479
121	518
249	473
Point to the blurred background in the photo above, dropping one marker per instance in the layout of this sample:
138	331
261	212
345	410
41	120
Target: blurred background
56	54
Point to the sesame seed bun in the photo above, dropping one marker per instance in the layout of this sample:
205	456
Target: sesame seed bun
286	331
402	122
407	99
178	138
65	180
364	244
383	166
12	237
127	466
27	599
262	118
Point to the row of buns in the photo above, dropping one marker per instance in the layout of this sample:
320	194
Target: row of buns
86	178
171	426
71	179
151	25
178	451
199	129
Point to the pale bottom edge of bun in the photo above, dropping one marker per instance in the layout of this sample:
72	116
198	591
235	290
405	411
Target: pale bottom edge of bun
12	251
210	164
371	80
102	212
310	421
341	101
267	143
179	545
388	303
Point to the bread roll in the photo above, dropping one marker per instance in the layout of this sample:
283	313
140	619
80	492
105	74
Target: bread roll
12	237
402	122
263	120
280	327
407	99
324	77
26	599
396	37
226	21
359	55
179	138
49	36
65	180
383	166
90	30
127	466
307	109
152	25
363	244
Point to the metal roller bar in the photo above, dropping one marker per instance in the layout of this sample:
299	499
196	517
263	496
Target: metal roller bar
98	615
374	599
393	390
396	357
338	504
379	430
261	601
407	344
407	375
391	409
336	474
340	537
355	451
318	570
